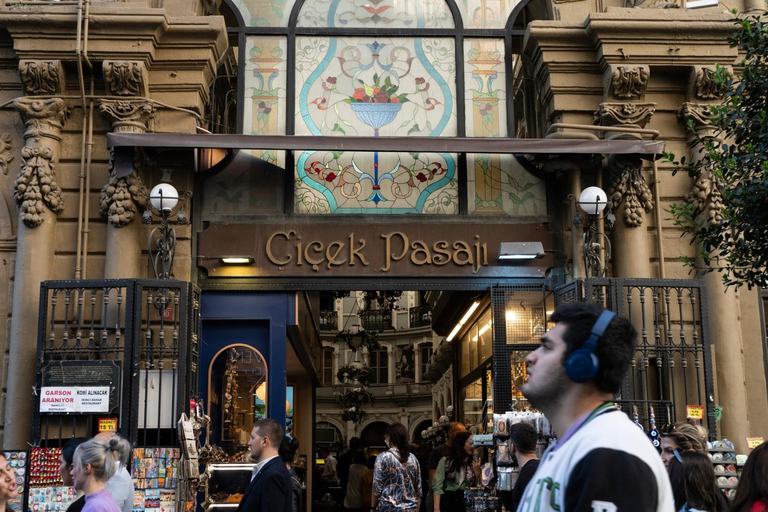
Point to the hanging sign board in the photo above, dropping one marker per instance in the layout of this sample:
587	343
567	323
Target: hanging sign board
65	377
754	442
74	399
695	412
107	424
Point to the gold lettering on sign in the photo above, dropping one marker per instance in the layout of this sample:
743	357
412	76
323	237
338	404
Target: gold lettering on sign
271	255
331	256
439	254
356	251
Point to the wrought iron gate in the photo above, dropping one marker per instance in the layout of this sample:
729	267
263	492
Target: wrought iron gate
143	332
672	366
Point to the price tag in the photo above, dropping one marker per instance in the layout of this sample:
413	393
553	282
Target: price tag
695	411
754	442
107	424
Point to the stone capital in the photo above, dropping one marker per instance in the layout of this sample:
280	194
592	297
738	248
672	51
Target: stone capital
628	186
627	82
635	115
42	117
129	115
125	78
703	85
42	77
701	116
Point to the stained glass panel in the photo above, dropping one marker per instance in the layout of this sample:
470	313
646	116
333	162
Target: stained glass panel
265	91
485	96
486	13
498	184
382	87
376	14
264	13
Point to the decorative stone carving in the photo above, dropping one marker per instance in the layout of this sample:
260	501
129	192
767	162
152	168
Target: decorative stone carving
42	77
6	153
653	4
704	85
701	115
707	198
629	82
628	184
122	197
125	78
36	187
129	115
624	114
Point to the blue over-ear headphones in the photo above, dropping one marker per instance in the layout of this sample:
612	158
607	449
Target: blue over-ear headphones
582	364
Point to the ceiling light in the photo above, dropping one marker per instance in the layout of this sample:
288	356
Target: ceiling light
521	250
453	332
469	312
511	316
237	260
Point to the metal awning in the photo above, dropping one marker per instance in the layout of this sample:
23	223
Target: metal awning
646	148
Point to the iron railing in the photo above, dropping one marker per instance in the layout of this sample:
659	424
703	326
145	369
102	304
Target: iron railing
376	319
420	316
140	337
329	321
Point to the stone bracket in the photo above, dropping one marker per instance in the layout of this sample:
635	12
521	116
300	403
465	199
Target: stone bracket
42	77
702	85
125	78
627	82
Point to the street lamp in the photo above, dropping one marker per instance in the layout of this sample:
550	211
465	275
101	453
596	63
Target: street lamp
593	201
163	199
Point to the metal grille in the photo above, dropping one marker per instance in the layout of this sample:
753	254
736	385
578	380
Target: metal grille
672	364
376	319
420	316
143	331
520	316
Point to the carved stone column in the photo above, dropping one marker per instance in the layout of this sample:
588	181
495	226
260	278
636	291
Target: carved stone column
123	197
728	362
39	198
630	196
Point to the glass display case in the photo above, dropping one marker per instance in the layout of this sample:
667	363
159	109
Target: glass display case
226	485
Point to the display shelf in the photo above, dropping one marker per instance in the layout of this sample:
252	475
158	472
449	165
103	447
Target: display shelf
726	450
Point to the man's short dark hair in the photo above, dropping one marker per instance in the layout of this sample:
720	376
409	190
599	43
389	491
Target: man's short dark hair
354	444
271	429
524	437
614	349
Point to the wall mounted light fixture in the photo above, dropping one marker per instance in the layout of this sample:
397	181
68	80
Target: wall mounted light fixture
237	260
521	250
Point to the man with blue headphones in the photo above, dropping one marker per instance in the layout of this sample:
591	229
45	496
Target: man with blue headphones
601	462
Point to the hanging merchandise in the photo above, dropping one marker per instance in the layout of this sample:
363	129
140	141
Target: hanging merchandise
653	433
635	418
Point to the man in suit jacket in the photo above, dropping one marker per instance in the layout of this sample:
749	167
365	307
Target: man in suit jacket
270	487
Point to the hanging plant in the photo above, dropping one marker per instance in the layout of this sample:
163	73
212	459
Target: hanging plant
357	340
356	374
352	401
383	299
354	414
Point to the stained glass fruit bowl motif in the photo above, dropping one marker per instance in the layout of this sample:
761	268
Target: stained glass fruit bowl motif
376	115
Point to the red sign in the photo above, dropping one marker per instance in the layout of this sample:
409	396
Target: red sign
168	314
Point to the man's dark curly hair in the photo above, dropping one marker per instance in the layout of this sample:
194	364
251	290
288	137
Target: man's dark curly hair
614	349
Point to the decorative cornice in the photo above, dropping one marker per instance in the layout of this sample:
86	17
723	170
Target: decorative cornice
125	78
628	184
129	115
42	77
624	114
706	197
629	82
42	117
6	151
36	187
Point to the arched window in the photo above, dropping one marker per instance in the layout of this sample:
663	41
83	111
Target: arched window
387	68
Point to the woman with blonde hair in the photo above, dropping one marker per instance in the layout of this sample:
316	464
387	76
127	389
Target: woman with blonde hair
92	467
683	437
8	489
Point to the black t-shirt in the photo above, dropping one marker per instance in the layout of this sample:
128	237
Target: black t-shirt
77	505
526	473
437	454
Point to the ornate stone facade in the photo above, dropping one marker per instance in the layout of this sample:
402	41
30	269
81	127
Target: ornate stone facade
42	76
125	78
629	82
628	185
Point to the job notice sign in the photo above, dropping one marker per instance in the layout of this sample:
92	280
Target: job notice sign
74	399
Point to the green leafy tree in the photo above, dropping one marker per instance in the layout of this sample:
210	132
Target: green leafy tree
727	211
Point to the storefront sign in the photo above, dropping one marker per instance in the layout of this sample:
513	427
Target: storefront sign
107	424
74	399
82	375
754	442
374	249
695	411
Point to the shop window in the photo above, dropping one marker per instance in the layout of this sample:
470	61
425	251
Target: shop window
380	365
518	376
426	355
327	366
237	395
471	400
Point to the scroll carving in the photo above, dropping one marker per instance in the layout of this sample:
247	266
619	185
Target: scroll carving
629	83
705	86
129	115
6	152
124	78
625	114
42	76
628	185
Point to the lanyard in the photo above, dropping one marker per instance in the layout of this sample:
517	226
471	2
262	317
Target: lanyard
604	407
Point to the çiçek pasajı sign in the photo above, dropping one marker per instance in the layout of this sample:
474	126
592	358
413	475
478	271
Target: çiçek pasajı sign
74	399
